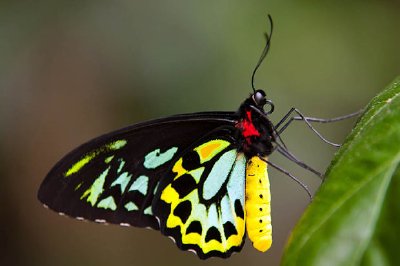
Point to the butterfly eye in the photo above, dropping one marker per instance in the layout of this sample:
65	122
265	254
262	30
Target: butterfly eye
259	98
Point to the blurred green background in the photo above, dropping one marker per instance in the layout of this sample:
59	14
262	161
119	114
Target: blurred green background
72	70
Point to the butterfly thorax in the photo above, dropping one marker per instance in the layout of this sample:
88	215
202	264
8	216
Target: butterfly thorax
255	131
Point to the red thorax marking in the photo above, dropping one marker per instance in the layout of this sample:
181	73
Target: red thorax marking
247	126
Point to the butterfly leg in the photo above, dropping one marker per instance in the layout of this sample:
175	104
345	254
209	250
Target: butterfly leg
288	119
282	149
286	153
280	169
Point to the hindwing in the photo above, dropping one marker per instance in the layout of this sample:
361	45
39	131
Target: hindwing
200	204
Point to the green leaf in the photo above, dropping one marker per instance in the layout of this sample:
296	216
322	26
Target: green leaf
355	216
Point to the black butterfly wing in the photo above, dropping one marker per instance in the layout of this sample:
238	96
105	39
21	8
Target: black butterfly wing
114	177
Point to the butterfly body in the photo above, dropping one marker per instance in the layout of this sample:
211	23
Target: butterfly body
197	178
258	204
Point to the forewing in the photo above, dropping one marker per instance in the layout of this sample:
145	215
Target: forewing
200	205
113	178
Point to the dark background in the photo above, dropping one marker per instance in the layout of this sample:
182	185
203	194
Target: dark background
72	70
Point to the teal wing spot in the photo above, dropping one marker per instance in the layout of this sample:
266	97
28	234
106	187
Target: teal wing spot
218	175
196	173
227	210
155	158
122	180
116	145
148	211
140	184
236	181
213	217
107	203
130	206
121	165
96	188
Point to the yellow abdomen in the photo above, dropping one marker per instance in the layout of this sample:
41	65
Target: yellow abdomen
258	204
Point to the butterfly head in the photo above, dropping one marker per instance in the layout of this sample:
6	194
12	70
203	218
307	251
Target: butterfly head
260	100
254	127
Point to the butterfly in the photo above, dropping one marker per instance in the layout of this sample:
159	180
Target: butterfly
201	178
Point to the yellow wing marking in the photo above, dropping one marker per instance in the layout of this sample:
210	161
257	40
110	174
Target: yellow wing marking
115	145
211	148
169	195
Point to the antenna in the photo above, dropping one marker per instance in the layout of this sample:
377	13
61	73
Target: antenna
264	52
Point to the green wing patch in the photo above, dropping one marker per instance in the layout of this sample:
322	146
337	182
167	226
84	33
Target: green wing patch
115	145
114	185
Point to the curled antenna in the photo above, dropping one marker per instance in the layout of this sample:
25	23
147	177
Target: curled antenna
264	52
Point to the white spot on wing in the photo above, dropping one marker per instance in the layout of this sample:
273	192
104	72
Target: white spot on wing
61	213
124	224
193	251
102	221
173	239
80	218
